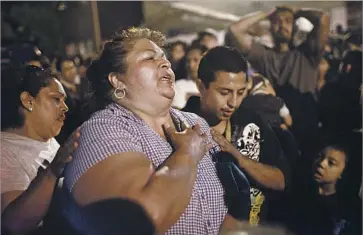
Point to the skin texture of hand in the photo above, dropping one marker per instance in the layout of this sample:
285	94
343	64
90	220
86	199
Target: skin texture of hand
225	145
64	154
191	141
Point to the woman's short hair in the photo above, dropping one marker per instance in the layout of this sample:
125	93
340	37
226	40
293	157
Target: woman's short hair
16	80
113	59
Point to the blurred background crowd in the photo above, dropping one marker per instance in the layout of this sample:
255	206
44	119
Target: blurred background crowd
66	36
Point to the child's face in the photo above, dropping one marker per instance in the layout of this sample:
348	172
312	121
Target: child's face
329	166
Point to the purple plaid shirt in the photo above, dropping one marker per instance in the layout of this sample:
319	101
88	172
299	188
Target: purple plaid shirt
116	129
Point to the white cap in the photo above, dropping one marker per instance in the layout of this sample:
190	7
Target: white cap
304	25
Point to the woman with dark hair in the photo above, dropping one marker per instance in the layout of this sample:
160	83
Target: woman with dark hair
324	206
32	114
137	147
177	58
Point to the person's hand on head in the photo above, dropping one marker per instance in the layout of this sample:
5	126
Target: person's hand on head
271	12
64	154
190	141
293	9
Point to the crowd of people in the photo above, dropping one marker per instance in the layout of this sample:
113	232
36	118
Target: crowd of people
200	138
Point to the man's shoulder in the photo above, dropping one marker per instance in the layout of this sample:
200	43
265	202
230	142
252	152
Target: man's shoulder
244	116
246	119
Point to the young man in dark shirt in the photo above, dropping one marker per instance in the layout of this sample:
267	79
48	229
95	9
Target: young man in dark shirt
240	132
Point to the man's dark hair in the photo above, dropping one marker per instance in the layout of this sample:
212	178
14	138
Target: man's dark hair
220	58
281	9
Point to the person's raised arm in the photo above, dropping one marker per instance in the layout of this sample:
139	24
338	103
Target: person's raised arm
164	193
240	29
22	211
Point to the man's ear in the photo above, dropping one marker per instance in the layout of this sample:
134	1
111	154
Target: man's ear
200	86
115	80
27	100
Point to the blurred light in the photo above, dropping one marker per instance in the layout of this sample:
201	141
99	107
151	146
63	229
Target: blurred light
61	6
194	19
202	11
37	51
20	28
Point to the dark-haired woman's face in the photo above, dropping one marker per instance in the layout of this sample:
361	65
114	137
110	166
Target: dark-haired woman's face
48	110
177	53
329	167
149	78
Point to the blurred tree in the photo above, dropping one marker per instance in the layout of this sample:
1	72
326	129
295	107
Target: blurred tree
43	23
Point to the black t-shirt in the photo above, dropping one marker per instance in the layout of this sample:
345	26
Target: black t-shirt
253	137
267	106
315	214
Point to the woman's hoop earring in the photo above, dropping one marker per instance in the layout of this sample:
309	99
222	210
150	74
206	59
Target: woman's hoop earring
115	93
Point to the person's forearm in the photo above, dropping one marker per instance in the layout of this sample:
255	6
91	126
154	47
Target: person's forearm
168	193
264	175
26	211
246	22
231	224
240	30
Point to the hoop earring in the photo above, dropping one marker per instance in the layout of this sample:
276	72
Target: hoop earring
118	96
